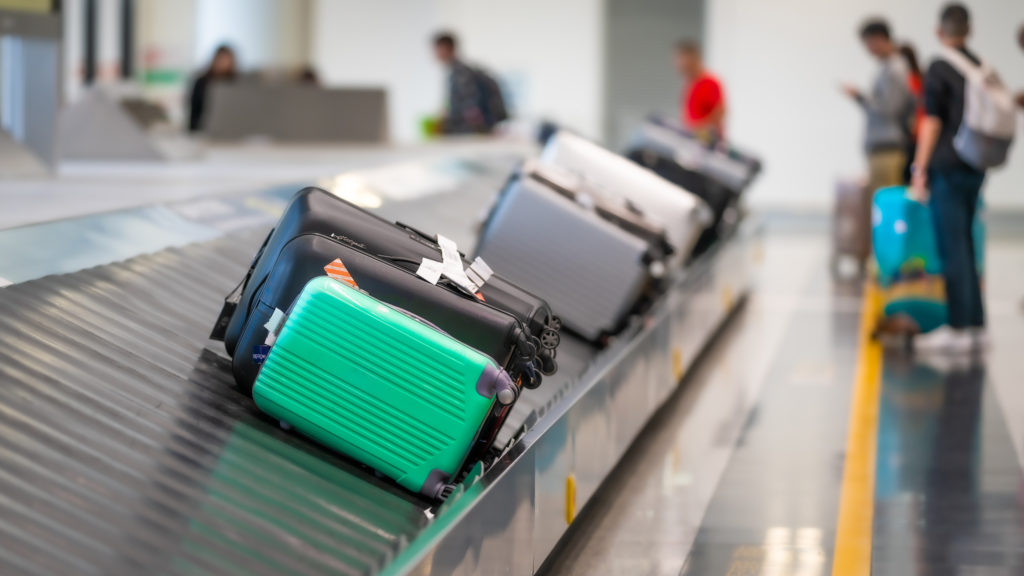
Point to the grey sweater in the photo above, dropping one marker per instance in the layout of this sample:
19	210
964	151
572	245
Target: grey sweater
889	107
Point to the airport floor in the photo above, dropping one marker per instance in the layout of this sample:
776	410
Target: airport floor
794	445
742	472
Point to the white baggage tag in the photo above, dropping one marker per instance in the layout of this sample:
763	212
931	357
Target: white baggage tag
479	272
452	261
273	326
470	279
430	270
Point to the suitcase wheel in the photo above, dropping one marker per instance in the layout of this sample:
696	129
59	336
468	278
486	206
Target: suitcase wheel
528	348
506	396
446	491
548	364
549	339
555	324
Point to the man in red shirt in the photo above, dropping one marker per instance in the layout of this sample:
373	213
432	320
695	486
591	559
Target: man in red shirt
703	102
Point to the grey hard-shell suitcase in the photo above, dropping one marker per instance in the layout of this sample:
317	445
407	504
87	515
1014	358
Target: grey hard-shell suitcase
594	262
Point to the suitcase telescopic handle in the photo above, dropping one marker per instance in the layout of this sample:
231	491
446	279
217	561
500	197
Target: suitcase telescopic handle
417	231
431	238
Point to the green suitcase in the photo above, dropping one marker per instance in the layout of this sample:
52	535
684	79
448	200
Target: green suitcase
380	386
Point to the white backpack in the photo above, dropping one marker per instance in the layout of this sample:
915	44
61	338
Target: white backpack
987	129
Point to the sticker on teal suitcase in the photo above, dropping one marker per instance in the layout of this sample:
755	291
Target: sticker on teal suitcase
380	386
906	252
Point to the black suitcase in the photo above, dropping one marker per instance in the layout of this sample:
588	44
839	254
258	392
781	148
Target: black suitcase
494	332
313	210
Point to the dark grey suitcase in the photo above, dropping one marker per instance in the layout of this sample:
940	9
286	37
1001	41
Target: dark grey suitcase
594	263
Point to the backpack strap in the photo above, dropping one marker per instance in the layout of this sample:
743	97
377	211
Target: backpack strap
963	64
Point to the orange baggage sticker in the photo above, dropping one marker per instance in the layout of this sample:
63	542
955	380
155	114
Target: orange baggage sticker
338	271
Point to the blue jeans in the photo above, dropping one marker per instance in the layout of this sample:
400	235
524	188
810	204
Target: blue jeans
954	201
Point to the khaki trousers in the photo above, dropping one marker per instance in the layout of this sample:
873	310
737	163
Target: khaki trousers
885	168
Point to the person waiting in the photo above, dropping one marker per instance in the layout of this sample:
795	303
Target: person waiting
952	187
475	102
222	68
703	101
888	106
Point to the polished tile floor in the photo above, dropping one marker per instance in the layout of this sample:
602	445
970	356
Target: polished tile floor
741	473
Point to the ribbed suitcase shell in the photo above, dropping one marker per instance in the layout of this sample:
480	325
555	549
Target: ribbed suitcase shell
683	215
589	269
377	385
316	211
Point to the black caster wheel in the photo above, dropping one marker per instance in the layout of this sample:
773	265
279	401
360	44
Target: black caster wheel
548	365
549	339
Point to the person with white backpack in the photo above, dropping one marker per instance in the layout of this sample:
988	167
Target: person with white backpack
968	128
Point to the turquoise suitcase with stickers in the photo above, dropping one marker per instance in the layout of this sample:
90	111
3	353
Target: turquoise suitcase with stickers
380	385
909	267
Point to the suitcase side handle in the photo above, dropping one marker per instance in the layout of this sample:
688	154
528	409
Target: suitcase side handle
233	298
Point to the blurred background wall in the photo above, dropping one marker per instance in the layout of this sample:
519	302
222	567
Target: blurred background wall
380	43
387	42
639	78
270	34
597	66
783	61
551	54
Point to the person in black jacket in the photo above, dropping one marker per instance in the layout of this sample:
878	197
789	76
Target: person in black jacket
222	69
475	103
952	188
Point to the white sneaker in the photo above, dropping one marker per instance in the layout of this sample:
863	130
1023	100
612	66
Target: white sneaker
945	339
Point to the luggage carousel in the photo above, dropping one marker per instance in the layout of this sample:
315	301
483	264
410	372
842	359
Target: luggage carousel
128	451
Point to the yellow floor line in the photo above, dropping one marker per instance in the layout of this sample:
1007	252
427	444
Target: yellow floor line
856	501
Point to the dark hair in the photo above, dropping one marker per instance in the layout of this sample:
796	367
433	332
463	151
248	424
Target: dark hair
955	20
910	55
308	75
224	49
687	46
875	28
446	39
